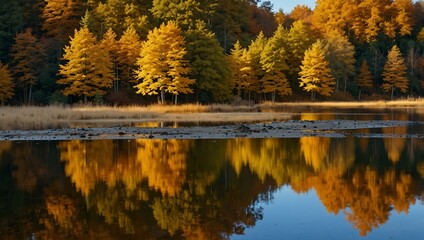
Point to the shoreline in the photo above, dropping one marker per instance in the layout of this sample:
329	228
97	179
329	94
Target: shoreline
286	129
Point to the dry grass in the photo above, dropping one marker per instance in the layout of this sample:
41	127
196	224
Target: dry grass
415	103
81	116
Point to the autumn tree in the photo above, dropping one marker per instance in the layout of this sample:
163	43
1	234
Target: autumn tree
208	63
6	83
88	70
28	55
128	48
255	50
301	12
110	44
364	78
162	67
61	17
341	56
299	39
123	14
274	64
240	68
394	74
315	74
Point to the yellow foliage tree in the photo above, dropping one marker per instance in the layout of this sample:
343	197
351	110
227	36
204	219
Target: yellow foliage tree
315	74
128	51
161	66
88	71
241	69
274	64
6	83
110	44
394	74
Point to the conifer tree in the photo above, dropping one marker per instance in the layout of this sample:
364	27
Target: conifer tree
315	74
341	55
255	50
240	69
274	64
28	55
128	51
110	44
6	83
299	39
161	65
88	70
208	63
364	78
394	74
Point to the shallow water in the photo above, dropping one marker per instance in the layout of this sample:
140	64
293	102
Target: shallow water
298	188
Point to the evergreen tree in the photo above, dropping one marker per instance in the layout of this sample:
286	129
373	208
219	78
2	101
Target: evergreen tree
341	55
315	74
274	64
88	70
6	83
110	44
394	74
364	78
299	39
11	22
162	67
28	55
208	63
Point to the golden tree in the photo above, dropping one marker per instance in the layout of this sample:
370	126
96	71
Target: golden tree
109	44
162	67
61	17
315	74
88	71
28	54
274	64
240	68
128	51
364	79
394	74
6	83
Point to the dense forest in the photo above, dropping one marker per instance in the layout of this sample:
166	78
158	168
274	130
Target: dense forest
142	51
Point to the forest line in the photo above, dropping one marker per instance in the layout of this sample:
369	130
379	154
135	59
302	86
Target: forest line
143	51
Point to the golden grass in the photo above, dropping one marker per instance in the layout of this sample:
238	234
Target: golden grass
59	117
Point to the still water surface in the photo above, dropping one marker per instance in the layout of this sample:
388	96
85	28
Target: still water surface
307	188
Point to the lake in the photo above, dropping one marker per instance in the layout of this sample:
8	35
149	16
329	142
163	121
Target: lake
272	188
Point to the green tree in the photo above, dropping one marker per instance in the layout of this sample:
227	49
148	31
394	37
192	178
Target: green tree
6	83
364	78
299	39
341	55
208	63
162	67
88	70
315	74
28	55
274	64
11	22
394	74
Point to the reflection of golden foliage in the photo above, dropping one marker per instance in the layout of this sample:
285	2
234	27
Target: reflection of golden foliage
164	163
264	157
314	150
420	169
316	116
367	196
5	146
63	211
394	146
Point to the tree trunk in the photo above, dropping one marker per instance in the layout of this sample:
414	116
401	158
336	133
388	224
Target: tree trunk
176	98
393	90
162	96
359	97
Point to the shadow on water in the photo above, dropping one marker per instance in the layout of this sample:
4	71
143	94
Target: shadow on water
205	189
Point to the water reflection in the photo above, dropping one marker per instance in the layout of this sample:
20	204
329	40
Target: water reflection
197	189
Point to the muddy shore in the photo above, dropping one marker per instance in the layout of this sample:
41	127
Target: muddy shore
283	129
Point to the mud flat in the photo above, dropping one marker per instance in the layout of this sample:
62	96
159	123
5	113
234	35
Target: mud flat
283	129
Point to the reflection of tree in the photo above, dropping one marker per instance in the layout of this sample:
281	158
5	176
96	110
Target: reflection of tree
164	163
314	150
395	145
